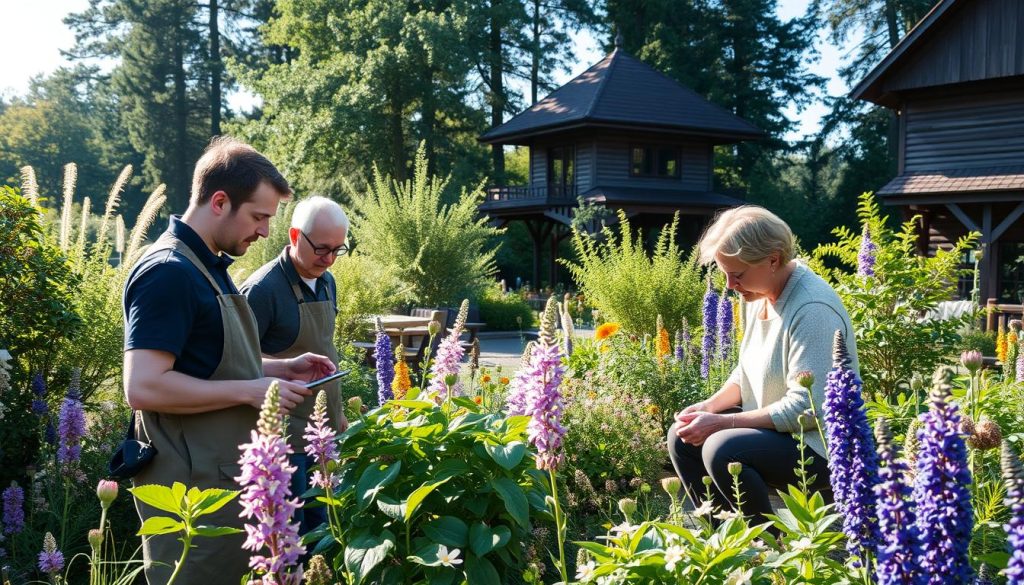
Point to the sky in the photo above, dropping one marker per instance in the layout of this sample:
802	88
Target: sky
35	34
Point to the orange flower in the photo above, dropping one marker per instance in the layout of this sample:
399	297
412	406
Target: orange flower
664	346
486	378
478	399
401	383
504	380
605	331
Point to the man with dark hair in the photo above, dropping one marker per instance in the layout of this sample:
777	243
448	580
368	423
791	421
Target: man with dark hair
192	363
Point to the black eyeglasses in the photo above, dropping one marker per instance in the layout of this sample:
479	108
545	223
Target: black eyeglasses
325	250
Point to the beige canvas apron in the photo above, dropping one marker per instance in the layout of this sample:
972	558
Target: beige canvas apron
201	450
316	335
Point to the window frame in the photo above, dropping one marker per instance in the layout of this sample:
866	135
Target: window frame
656	160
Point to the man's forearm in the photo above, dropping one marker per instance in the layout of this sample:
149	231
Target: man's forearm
175	393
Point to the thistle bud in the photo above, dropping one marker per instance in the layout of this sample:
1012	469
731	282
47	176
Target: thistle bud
987	435
971	360
95	538
672	485
707	480
735	468
106	491
805	379
319	572
433	328
628	507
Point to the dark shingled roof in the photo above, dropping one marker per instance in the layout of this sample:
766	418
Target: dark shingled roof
621	91
956	181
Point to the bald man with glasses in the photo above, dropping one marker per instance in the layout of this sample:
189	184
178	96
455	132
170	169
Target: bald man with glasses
294	299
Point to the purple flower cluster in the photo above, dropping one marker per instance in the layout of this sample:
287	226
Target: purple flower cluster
39	406
680	348
866	256
384	356
853	461
1020	366
14	509
70	430
320	442
265	481
1013	476
941	489
710	329
449	357
515	400
542	396
51	560
724	324
899	548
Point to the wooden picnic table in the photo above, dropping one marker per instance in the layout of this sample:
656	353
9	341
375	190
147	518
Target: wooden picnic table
396	325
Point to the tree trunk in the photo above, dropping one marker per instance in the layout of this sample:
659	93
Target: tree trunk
397	138
182	178
216	67
497	91
429	117
535	53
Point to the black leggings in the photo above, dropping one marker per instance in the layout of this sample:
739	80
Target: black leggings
769	460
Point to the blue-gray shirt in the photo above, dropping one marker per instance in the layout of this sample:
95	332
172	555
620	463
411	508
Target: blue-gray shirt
270	295
170	306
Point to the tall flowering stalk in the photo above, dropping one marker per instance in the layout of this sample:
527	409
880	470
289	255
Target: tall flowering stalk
449	357
70	429
737	311
322	446
402	382
683	342
662	345
14	509
1001	348
515	400
725	325
942	490
867	256
1013	476
265	481
1020	365
707	350
382	356
51	560
39	406
900	546
568	329
543	402
853	461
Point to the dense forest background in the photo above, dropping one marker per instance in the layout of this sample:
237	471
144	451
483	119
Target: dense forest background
347	85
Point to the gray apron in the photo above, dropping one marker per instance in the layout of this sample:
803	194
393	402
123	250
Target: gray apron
201	450
316	335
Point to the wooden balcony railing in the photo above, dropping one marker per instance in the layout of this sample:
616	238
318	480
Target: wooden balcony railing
530	194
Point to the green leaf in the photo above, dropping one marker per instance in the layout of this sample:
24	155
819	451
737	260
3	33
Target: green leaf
418	495
447	530
160	525
213	499
390	507
483	540
376	477
159	496
480	570
212	531
507	456
514	498
413	404
366	551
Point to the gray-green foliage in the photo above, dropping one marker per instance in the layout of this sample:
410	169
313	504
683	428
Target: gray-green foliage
629	286
438	250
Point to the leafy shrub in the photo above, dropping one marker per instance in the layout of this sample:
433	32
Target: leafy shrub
893	341
415	477
618	277
504	311
436	249
983	341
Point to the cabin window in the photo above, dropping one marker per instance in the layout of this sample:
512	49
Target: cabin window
561	170
654	161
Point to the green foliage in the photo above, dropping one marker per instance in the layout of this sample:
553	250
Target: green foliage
414	477
893	341
618	277
436	249
365	288
504	311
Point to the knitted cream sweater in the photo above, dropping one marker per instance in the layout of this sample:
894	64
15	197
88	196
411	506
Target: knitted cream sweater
797	336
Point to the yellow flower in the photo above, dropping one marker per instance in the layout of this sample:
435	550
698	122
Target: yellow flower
605	331
664	346
486	378
1001	346
400	384
478	399
737	310
653	410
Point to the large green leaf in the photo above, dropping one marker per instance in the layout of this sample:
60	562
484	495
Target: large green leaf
418	495
376	477
447	530
507	456
482	539
211	500
159	496
514	498
480	570
366	551
160	525
212	531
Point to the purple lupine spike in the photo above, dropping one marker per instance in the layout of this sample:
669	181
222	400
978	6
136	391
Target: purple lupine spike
266	496
50	434
70	430
900	547
867	255
710	329
724	325
449	357
39	406
853	460
543	399
1013	477
384	357
51	560
515	400
942	494
680	348
1020	365
320	442
14	509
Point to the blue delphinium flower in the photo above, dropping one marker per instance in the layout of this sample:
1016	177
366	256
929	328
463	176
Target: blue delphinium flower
866	256
1013	476
724	324
383	355
710	330
39	406
14	509
853	461
899	548
941	490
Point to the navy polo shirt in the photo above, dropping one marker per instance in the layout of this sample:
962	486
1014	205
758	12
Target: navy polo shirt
169	305
270	295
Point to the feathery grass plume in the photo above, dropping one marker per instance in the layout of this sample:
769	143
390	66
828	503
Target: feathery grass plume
119	234
942	493
1013	477
449	356
142	224
70	177
82	229
29	185
568	329
402	383
853	460
113	200
900	546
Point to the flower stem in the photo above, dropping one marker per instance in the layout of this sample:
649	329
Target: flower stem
559	527
187	542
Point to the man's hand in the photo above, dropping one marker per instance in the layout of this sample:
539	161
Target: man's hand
308	367
695	427
342	423
292	393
